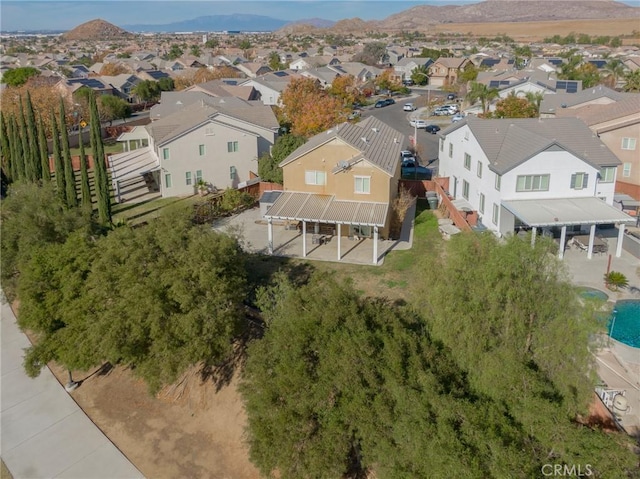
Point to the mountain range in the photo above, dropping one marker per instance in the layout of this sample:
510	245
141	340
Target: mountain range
417	18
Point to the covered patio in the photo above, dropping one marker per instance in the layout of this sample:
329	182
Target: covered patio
131	168
570	212
362	221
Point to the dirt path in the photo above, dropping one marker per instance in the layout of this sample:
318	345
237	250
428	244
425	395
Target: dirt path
197	436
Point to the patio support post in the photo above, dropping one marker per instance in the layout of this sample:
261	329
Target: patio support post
270	235
533	236
339	236
117	182
592	235
621	227
563	238
375	245
304	239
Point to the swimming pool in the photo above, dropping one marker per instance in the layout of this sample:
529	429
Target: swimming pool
624	324
592	293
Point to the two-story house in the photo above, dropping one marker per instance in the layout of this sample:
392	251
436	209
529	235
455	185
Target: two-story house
344	179
548	174
445	70
215	141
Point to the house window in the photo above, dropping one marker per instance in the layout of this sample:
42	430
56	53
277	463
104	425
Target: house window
450	150
467	161
532	183
362	184
481	204
628	143
198	176
608	174
165	153
315	177
494	216
579	181
232	172
441	144
465	189
187	178
145	142
232	146
479	170
498	181
201	150
167	180
626	170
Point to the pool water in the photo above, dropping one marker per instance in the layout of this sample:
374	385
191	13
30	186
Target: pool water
626	327
592	293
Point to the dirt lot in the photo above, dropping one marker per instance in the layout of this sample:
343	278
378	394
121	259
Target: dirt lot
536	31
197	436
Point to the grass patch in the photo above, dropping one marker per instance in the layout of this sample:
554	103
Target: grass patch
111	147
135	213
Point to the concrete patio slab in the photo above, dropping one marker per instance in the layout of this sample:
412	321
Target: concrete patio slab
43	432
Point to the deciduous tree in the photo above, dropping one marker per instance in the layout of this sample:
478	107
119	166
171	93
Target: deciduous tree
19	76
268	168
514	107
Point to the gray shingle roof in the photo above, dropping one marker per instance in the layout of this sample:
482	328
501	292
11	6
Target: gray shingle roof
552	103
378	142
509	142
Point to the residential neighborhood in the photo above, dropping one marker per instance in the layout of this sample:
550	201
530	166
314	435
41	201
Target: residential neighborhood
368	247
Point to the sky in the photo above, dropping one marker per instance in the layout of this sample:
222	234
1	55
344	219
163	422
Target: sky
57	15
65	15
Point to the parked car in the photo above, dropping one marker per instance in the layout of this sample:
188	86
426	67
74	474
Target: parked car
380	104
433	129
418	123
409	107
412	171
442	111
457	117
453	107
389	101
451	96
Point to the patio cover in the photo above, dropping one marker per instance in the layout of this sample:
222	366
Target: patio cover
566	211
132	164
311	207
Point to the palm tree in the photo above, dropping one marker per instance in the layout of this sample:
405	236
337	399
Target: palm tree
632	81
535	98
480	91
614	69
420	75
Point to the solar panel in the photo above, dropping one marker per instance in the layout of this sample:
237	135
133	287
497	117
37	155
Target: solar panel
554	61
494	84
281	74
561	85
572	87
504	82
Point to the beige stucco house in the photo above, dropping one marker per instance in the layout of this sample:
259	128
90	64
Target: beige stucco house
445	70
342	183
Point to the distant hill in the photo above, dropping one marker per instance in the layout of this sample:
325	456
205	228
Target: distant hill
493	11
216	23
314	22
95	30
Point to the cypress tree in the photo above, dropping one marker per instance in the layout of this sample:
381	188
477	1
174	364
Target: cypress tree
16	145
6	148
45	172
29	174
100	177
84	176
34	152
69	176
61	188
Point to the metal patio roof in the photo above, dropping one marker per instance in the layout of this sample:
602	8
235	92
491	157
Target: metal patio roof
312	207
566	211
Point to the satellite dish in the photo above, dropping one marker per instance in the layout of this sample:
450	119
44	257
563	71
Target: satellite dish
344	164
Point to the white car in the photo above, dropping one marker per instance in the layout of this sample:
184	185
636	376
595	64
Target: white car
418	123
457	117
409	107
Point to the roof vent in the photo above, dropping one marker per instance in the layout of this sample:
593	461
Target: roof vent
395	140
364	139
564	105
375	130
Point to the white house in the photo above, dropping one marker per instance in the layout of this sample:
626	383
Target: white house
551	174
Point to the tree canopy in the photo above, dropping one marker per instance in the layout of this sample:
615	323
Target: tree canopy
268	168
19	76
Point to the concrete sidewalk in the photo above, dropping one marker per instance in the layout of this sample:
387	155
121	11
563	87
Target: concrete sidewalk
43	432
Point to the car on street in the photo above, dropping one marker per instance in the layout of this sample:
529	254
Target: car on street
389	101
433	129
409	107
457	117
451	96
380	104
417	123
442	111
